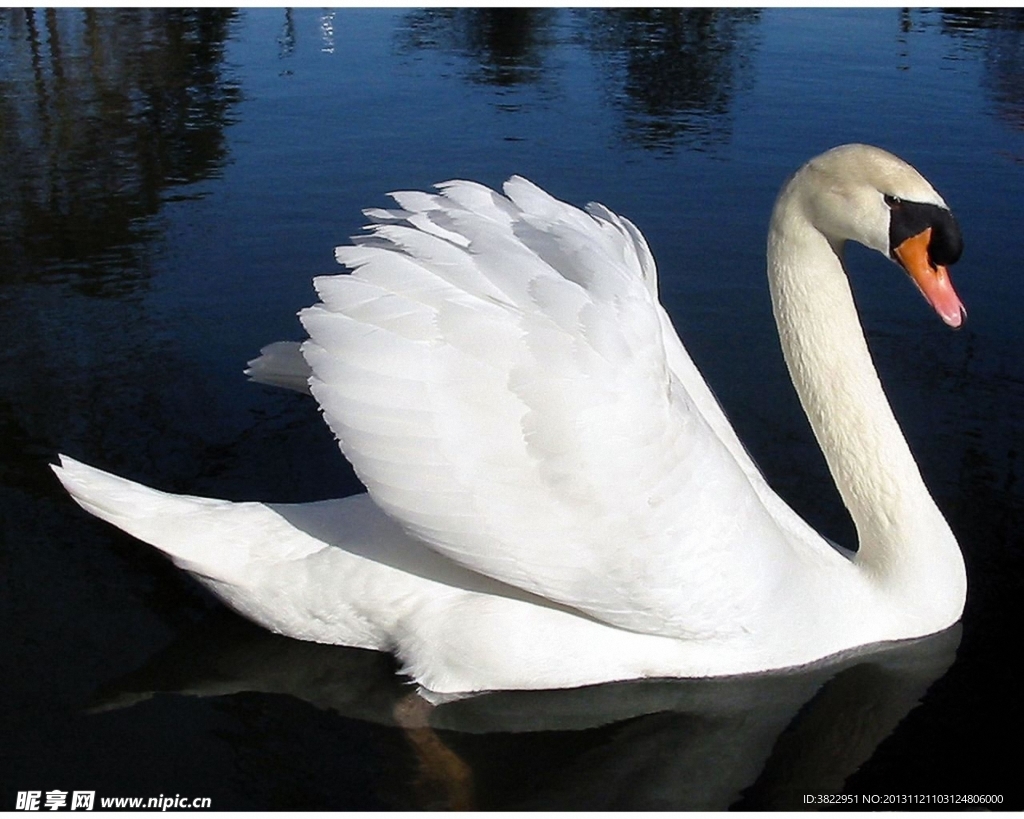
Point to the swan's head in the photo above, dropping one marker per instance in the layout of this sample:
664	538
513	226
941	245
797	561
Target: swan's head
868	195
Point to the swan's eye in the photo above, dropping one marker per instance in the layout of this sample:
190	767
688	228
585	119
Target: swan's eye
893	201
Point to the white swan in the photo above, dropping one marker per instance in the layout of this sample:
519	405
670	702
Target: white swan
555	496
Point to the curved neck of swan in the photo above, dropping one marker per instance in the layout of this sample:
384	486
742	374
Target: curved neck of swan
903	538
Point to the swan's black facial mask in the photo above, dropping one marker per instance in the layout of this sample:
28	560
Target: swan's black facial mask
923	240
908	219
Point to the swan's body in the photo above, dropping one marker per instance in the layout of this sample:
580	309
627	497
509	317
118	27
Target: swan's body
555	496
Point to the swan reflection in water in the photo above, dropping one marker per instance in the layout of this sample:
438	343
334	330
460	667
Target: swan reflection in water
757	741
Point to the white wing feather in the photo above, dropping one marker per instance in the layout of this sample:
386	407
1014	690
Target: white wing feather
502	378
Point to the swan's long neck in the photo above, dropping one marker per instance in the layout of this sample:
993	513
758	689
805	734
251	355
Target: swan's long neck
905	545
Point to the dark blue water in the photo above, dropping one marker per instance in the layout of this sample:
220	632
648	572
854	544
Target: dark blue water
173	179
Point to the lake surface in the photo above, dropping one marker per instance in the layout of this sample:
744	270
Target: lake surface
173	179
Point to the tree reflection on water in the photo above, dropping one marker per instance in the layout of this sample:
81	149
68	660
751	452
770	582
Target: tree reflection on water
101	112
999	34
672	74
677	70
502	47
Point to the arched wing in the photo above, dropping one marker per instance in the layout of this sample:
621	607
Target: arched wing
495	369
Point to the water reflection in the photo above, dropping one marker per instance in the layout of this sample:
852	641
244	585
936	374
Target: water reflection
327	32
751	742
286	39
999	35
501	46
671	73
676	71
104	110
105	115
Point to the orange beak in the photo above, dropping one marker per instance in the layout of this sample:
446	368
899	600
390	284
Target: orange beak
932	280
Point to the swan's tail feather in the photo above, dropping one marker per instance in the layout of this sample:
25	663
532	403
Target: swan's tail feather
267	563
280	365
199	534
